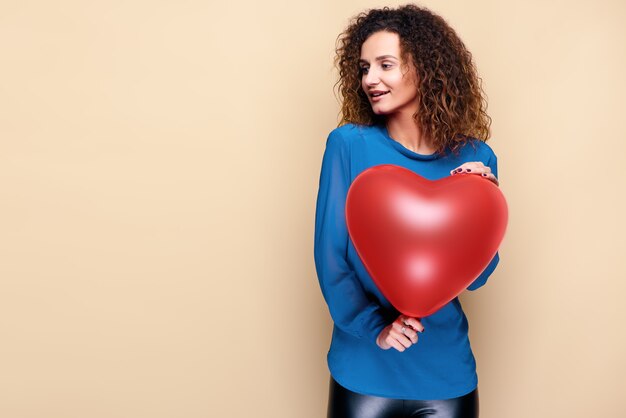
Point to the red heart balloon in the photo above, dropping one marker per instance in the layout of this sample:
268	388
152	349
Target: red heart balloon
424	242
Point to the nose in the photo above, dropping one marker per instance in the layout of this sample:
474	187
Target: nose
371	78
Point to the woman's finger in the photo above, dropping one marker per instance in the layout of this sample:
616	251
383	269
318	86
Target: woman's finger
395	344
409	332
400	336
477	167
412	334
490	176
414	323
469	167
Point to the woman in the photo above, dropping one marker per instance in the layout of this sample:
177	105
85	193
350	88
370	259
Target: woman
411	97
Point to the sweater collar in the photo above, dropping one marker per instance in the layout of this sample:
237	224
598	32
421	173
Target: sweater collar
404	150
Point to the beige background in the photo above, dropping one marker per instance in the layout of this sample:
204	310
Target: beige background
159	163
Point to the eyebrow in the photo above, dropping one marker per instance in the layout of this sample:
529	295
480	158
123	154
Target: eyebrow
382	57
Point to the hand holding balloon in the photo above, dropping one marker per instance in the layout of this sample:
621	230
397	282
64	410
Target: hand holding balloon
476	167
400	334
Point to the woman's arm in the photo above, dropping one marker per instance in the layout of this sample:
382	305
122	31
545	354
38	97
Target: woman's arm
350	308
482	279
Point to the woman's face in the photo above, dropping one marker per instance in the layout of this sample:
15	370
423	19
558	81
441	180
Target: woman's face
381	72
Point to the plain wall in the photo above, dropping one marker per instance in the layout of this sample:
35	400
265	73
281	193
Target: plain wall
159	164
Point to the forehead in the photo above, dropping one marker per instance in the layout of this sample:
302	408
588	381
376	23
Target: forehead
381	43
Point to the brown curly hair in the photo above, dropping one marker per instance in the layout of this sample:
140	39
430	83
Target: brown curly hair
450	96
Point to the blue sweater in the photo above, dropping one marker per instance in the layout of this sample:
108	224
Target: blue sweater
441	365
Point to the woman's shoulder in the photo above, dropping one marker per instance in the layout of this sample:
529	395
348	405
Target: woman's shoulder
479	148
352	131
350	134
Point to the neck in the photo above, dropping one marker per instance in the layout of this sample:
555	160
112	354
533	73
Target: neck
404	129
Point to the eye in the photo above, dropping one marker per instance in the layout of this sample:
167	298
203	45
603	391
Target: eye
385	66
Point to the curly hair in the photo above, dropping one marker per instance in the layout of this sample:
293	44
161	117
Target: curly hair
451	100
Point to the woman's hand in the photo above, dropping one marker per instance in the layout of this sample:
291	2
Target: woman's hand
476	167
400	334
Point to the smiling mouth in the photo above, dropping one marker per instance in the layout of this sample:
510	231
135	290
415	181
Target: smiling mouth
379	94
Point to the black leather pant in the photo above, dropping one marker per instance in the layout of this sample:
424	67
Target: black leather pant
343	403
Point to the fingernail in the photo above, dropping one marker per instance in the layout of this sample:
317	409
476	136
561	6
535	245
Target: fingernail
469	169
484	174
458	169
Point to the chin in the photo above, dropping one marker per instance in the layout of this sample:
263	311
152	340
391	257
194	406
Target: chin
379	111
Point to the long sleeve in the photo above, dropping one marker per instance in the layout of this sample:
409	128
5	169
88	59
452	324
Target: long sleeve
492	162
350	308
